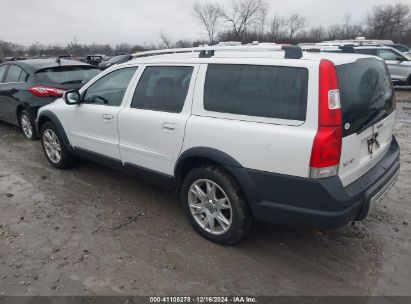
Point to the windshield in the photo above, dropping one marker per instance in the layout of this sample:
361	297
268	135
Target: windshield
365	89
67	74
401	48
117	58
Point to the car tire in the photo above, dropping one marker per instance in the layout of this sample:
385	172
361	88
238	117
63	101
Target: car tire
54	148
220	215
27	125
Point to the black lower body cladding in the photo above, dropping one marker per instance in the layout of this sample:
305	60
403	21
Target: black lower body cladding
317	203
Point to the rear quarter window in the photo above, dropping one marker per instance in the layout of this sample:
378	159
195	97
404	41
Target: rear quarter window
3	69
257	90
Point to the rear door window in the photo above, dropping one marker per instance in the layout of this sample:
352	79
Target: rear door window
13	74
365	89
163	88
256	90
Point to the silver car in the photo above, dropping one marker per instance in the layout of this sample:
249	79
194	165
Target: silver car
398	63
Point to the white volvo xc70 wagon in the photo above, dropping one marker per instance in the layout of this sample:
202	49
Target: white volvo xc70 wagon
242	133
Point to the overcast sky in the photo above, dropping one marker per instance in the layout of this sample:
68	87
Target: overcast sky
141	21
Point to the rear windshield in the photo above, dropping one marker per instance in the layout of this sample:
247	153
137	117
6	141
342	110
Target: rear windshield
365	89
67	74
257	90
117	58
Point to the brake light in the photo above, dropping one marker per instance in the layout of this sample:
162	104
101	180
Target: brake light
326	150
42	91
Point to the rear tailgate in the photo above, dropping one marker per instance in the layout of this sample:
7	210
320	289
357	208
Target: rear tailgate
367	101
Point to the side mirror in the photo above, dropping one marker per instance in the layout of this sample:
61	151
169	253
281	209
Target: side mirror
72	97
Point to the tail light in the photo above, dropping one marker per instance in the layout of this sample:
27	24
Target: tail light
326	150
42	91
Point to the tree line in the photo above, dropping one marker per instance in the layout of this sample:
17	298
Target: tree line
247	21
8	49
252	20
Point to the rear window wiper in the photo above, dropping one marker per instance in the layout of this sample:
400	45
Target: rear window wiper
372	120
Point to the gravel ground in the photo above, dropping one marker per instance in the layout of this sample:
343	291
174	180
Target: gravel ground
94	231
403	94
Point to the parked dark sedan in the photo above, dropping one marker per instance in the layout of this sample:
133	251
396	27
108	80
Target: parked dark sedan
115	60
27	85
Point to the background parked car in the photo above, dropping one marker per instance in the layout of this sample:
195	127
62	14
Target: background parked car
95	59
115	60
27	85
399	47
398	63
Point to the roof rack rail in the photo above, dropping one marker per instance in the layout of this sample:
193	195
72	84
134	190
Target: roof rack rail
291	51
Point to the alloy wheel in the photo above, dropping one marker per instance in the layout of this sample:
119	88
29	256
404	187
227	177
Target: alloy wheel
210	206
52	146
26	126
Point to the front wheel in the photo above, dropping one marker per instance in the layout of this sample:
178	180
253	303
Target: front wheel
53	146
214	205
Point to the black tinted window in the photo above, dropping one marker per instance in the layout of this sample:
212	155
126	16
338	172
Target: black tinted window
162	89
67	74
13	74
3	69
265	91
367	51
110	89
401	48
365	89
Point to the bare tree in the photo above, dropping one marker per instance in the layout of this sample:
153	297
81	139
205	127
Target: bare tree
165	41
262	17
209	15
240	15
277	28
294	23
389	21
316	34
347	30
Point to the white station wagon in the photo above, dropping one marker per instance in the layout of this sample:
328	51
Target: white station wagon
242	133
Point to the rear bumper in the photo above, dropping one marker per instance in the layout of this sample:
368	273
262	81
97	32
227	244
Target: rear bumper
320	203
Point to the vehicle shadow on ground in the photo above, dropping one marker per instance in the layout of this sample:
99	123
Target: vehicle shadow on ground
127	188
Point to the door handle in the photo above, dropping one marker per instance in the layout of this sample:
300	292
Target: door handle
169	127
108	117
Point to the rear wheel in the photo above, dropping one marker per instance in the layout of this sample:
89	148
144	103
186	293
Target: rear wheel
27	125
214	205
53	146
